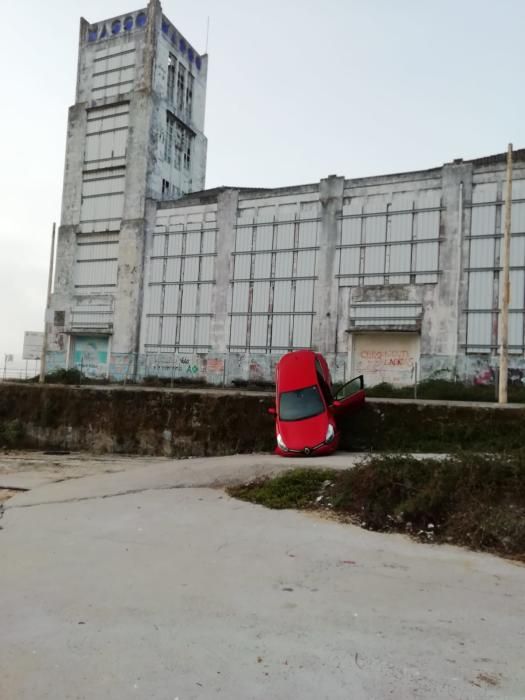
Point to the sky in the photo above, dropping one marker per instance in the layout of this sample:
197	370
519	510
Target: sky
297	90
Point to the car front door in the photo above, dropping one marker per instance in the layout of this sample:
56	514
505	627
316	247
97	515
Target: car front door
350	397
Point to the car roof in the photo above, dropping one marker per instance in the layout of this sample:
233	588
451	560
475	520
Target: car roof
296	370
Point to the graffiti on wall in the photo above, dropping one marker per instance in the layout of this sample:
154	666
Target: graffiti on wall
487	376
90	355
395	366
378	359
171	365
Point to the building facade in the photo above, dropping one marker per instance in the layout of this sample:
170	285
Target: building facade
135	136
396	277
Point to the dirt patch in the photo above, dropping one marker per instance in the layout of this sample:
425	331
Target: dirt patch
473	500
486	679
6	494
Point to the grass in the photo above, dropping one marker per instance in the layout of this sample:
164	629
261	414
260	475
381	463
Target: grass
71	376
469	499
295	489
11	432
441	389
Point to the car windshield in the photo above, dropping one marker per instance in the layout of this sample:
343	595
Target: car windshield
300	404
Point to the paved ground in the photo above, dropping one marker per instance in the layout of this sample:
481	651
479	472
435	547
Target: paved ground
149	582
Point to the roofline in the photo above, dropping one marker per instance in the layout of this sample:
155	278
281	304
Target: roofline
211	195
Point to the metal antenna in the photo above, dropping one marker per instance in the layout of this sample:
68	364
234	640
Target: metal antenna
207	32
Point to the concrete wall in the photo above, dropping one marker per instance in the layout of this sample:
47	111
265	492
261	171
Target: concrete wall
205	423
341	259
116	167
225	281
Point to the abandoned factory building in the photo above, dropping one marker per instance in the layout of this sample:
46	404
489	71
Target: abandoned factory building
396	277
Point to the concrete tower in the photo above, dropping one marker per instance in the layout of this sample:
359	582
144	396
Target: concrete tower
135	136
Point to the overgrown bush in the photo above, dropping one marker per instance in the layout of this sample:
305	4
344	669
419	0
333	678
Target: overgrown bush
442	389
11	432
293	489
65	376
72	376
153	380
476	500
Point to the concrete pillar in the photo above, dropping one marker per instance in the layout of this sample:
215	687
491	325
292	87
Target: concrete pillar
227	203
150	45
82	33
66	244
324	335
130	257
140	161
74	163
450	297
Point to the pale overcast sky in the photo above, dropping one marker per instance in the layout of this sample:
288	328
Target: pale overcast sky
297	90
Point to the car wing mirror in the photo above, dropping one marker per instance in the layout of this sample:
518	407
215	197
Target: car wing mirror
272	411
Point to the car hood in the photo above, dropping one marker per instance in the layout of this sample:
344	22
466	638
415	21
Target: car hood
299	434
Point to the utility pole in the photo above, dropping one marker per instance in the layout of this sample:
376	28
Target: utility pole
505	288
48	302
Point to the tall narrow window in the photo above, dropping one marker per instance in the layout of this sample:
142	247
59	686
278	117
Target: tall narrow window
168	146
181	84
179	140
189	96
165	188
187	151
172	71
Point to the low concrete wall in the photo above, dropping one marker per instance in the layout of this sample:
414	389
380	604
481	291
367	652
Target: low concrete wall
182	423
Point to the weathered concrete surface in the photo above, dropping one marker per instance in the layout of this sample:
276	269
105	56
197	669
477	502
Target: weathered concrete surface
185	593
179	423
28	470
131	475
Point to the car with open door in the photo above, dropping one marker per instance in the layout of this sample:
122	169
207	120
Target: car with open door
306	407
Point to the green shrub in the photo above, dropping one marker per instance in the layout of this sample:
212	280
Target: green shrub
11	433
476	500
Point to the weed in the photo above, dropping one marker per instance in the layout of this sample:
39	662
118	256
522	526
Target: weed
444	390
295	489
11	432
475	500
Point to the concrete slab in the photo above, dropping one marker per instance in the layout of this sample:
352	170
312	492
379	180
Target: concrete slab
177	473
186	593
25	480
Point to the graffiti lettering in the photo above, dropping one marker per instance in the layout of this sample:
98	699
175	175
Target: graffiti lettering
387	358
487	376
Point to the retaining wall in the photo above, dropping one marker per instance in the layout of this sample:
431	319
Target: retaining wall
183	422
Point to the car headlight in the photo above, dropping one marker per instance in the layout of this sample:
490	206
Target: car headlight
330	433
281	444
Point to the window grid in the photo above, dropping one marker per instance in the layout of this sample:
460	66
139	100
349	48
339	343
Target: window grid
392	246
180	291
273	286
483	271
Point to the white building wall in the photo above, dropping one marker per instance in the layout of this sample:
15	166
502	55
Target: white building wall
178	118
227	281
180	281
483	268
274	273
114	168
380	273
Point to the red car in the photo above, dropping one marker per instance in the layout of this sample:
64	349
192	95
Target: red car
306	407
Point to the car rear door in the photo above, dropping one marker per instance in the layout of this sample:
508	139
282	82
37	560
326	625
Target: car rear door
350	397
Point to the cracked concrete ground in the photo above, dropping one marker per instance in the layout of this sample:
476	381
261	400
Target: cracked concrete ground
150	582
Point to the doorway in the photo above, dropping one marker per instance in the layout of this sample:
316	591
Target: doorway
385	357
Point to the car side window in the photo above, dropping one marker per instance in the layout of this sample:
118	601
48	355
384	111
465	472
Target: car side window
323	384
350	388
